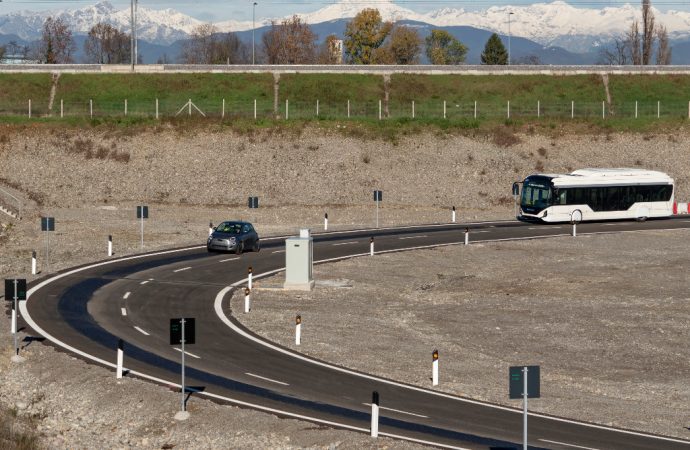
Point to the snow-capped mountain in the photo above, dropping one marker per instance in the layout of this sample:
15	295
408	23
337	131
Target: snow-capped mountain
555	23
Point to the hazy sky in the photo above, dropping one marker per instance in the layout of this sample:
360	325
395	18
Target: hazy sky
219	10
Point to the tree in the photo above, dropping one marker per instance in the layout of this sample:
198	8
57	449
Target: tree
56	45
648	31
207	46
106	44
494	52
404	45
364	35
443	49
663	52
290	42
528	60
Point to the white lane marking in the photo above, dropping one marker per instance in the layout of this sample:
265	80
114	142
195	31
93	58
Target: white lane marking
266	379
479	231
231	259
414	237
399	411
346	243
141	331
187	353
124	311
184	268
279	251
145	281
126	296
567	445
611	224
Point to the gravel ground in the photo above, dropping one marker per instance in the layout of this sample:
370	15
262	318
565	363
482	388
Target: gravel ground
91	181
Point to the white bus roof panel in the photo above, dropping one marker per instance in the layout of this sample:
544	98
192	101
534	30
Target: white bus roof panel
610	177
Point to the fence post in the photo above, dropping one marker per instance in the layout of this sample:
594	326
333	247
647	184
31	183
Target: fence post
91	108
125	107
379	109
688	110
348	108
658	109
603	110
636	109
156	109
444	109
317	108
222	114
29	108
475	109
538	109
287	110
254	109
62	110
509	109
572	109
413	109
189	107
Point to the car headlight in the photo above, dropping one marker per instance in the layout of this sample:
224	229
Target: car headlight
232	240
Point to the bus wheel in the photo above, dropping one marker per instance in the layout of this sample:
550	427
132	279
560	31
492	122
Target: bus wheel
576	216
641	219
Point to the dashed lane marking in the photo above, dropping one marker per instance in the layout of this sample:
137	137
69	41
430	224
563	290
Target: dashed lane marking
399	411
230	259
126	296
414	237
279	251
124	311
187	353
141	331
266	379
180	270
346	243
568	445
145	281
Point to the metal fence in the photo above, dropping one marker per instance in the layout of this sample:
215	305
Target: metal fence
371	109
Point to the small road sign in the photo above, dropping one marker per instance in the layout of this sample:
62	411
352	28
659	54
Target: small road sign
47	223
378	196
176	331
253	202
9	289
142	212
517	382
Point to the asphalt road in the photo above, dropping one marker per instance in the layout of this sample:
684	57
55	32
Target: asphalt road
89	309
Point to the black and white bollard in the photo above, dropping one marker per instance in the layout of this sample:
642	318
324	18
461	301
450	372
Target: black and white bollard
210	228
249	278
325	222
247	300
453	215
298	330
33	262
375	414
467	236
434	368
14	323
574	229
371	247
120	357
110	245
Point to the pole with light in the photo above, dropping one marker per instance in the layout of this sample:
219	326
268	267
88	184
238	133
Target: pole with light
253	27
509	35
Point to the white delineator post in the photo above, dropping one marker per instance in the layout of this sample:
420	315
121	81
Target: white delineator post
453	215
120	357
574	229
375	414
524	409
210	228
247	300
33	262
434	368
298	330
371	247
325	222
249	277
467	236
110	245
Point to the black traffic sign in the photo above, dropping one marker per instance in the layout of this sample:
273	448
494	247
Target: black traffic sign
516	381
176	331
47	223
9	289
378	196
253	202
142	212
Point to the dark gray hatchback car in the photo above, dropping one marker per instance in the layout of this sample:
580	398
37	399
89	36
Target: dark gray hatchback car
234	236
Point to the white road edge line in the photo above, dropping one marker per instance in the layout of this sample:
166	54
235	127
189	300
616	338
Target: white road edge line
398	411
567	445
266	379
145	281
414	237
346	243
180	270
141	331
126	296
187	353
231	259
124	311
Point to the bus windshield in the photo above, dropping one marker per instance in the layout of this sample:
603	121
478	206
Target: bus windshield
536	194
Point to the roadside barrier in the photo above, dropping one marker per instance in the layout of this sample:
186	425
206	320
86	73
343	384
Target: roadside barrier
681	208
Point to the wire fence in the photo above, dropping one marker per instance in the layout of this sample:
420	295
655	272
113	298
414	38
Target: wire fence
370	109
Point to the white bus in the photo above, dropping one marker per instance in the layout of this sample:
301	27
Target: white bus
595	194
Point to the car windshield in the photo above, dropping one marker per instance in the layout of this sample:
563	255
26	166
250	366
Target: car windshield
536	195
229	227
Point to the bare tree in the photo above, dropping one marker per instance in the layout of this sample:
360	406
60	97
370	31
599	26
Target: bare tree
208	46
56	45
633	38
648	30
106	44
618	54
290	42
663	51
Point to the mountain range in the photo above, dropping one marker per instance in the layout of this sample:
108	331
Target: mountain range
551	31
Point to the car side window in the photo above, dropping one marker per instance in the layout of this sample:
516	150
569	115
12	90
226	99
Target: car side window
245	229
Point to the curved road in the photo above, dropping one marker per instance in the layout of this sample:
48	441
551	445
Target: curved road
88	309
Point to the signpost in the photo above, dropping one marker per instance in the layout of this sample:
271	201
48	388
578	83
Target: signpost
523	386
142	213
182	331
253	202
378	197
47	225
15	289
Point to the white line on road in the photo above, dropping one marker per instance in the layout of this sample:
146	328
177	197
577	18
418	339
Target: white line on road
567	445
141	331
279	251
413	237
231	259
399	411
126	296
184	268
347	243
145	281
187	353
480	231
124	311
266	379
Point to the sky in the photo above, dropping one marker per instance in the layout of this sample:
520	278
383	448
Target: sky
220	10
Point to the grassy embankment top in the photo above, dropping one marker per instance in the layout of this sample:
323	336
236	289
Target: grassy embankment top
405	102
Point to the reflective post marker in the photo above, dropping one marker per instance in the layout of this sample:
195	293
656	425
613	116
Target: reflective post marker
371	247
453	215
182	405
110	245
574	229
210	228
298	330
434	368
325	222
375	414
524	409
14	319
247	300
249	278
33	262
120	357
467	236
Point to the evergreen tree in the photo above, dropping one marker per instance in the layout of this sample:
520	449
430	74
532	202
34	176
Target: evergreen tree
442	48
494	52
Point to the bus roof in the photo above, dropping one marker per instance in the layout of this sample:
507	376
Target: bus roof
609	177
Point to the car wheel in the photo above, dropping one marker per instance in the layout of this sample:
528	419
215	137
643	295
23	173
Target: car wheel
239	248
257	246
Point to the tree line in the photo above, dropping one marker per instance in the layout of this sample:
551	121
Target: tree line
368	39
